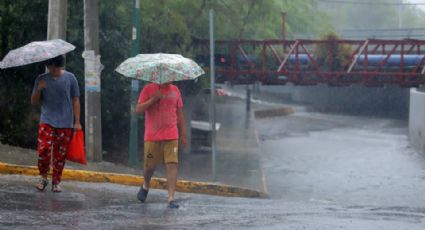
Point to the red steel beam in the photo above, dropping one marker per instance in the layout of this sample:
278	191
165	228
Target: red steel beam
312	73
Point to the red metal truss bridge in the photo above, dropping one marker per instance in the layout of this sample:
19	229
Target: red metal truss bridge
372	62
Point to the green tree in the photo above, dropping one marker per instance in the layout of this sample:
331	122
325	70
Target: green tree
18	118
167	26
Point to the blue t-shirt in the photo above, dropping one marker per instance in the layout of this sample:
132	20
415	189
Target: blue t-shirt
56	99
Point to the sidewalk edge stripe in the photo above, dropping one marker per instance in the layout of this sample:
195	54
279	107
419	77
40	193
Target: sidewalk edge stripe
132	180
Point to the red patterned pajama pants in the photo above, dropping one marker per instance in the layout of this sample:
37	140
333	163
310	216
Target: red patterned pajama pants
56	141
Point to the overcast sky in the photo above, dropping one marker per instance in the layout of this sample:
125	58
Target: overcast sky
417	1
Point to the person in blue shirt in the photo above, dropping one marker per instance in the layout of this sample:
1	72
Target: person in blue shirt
57	93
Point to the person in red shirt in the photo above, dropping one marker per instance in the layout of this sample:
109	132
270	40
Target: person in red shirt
163	107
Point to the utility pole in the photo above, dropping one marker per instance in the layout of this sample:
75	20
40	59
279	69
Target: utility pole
212	94
283	31
135	49
284	26
56	22
93	125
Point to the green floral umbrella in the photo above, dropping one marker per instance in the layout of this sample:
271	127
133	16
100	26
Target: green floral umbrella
160	68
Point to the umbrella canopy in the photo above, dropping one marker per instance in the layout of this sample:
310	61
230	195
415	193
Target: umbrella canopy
36	52
160	68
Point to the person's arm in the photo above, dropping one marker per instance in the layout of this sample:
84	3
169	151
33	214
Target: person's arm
141	107
76	105
182	127
36	95
77	110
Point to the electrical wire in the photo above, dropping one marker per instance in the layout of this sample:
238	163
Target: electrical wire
371	2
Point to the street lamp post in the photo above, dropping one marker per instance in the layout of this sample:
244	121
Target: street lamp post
135	49
212	93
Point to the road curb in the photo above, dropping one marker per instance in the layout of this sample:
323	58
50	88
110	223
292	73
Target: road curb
132	180
277	112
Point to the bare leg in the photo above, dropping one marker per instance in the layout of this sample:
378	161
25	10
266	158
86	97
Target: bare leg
143	191
171	180
147	174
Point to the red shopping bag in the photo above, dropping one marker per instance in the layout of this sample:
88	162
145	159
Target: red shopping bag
76	151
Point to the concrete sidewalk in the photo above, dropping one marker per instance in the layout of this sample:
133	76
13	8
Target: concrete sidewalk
238	154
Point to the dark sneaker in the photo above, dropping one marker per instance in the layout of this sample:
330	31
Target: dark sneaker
142	194
173	205
56	188
42	184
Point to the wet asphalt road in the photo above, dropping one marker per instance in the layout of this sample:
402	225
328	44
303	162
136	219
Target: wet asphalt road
323	172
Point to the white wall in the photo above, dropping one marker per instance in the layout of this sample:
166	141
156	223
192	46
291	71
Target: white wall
417	120
391	101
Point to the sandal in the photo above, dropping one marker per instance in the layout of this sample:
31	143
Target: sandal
142	194
42	184
56	188
173	205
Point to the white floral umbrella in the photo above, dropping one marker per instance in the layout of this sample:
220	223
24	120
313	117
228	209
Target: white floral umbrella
36	52
160	68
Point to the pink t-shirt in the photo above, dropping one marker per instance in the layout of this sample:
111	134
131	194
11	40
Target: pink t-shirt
161	117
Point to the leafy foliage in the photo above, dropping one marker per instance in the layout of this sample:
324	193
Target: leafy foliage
167	26
332	55
18	117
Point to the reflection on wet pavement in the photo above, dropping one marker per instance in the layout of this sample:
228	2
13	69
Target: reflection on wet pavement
344	173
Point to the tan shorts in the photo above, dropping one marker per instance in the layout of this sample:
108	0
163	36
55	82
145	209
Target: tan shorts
160	152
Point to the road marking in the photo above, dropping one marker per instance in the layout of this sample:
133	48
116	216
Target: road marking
132	180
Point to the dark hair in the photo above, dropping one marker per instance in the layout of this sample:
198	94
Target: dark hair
58	61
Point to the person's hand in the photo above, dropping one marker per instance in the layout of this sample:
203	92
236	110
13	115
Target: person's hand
183	142
77	126
42	84
158	95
